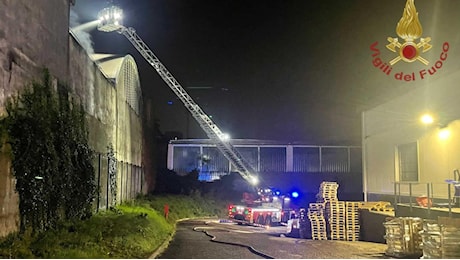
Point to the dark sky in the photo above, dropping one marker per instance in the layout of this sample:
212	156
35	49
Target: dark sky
290	70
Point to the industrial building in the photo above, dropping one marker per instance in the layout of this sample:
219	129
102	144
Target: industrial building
35	35
403	155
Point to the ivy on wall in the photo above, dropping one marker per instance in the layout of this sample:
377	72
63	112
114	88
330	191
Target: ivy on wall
112	173
51	159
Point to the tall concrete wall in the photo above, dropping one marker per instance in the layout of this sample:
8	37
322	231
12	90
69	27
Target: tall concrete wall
32	34
35	34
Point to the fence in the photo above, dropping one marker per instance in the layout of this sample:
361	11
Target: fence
116	181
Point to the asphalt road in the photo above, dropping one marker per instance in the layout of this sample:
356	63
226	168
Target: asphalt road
209	239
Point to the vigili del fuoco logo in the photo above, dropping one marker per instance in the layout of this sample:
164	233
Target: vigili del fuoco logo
409	47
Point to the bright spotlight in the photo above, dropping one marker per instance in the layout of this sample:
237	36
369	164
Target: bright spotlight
427	119
110	19
225	137
295	194
254	180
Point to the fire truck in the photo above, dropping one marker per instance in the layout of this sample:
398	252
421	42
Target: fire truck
265	210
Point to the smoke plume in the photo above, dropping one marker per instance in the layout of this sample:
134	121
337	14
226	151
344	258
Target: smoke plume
81	31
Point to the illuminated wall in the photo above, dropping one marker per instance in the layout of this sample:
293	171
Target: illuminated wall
398	122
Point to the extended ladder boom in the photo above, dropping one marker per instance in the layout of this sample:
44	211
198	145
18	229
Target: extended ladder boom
211	129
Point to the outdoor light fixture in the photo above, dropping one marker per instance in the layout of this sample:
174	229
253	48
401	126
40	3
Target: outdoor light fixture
110	19
443	132
427	119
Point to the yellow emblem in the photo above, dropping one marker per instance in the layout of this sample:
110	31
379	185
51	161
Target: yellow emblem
409	29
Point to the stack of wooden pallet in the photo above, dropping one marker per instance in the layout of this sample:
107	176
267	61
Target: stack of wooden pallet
337	220
317	221
327	192
352	220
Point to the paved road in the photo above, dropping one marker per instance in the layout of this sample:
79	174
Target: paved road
193	240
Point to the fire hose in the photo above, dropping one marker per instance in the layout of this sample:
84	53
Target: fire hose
250	248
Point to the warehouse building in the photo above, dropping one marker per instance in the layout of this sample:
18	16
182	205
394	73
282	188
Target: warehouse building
35	35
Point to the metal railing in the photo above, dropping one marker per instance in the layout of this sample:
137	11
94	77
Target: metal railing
409	192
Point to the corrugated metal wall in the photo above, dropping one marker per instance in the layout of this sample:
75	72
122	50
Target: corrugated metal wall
266	159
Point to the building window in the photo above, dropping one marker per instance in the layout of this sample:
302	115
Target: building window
408	162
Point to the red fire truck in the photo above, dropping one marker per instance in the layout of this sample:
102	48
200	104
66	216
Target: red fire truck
266	210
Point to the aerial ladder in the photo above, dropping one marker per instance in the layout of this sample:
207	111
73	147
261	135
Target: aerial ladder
109	21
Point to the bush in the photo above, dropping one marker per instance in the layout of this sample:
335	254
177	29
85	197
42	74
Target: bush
131	230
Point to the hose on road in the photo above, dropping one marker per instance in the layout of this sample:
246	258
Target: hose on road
252	249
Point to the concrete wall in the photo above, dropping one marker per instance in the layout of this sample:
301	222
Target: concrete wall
32	34
35	34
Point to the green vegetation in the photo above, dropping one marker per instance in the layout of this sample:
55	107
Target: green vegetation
133	230
46	132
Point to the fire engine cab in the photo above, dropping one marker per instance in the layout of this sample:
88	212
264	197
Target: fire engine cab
266	210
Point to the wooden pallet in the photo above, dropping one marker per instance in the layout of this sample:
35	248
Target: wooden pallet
338	237
316	206
353	238
383	210
319	237
353	227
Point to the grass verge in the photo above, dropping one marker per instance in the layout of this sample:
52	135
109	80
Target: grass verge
130	230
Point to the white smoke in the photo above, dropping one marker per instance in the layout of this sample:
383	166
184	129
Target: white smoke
81	31
83	37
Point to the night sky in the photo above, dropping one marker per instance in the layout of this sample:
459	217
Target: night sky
269	69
